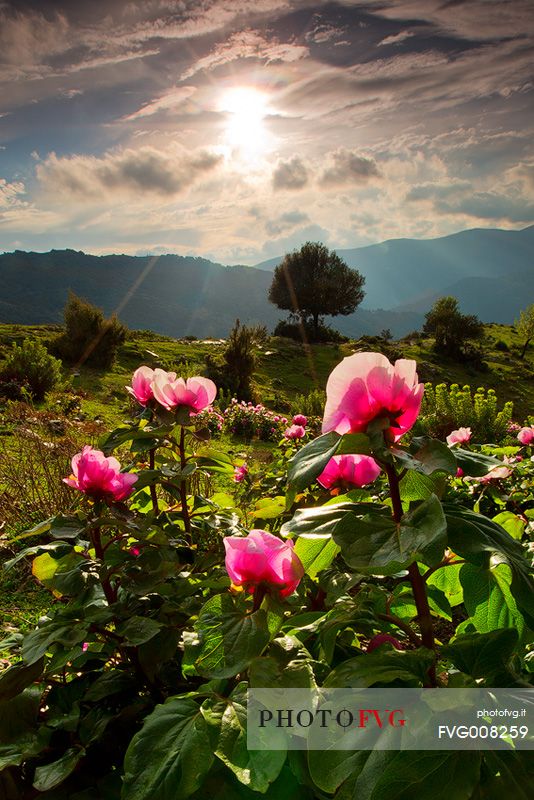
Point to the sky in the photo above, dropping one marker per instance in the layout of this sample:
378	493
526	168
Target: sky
237	130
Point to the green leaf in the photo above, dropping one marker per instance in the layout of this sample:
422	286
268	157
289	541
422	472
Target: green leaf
434	456
16	678
111	682
37	530
415	486
413	774
475	464
138	630
67	527
376	544
169	757
438	602
321	522
511	776
39	641
511	523
447	579
315	554
269	508
488	599
308	463
483	655
58	549
52	775
382	666
256	769
144	440
225	640
472	536
20	737
330	768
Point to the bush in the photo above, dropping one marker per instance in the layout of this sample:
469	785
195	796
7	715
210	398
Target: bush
311	404
89	337
448	408
299	332
232	370
29	370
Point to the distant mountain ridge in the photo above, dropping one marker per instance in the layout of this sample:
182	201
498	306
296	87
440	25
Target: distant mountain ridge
490	271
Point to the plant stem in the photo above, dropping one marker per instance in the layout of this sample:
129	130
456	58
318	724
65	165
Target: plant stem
183	487
417	581
109	592
153	494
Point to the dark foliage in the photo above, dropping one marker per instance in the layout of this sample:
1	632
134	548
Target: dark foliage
452	330
89	337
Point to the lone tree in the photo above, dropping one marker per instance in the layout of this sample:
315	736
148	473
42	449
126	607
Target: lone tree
525	327
314	282
451	329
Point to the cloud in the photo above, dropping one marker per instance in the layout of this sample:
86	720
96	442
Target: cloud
291	174
285	222
246	44
324	32
170	100
396	38
125	173
347	166
433	191
495	206
10	193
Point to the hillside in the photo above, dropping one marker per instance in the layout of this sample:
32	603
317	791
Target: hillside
490	271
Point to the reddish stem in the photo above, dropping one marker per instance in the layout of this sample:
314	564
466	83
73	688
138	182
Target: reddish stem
183	486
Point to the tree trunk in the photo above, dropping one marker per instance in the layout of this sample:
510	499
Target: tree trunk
524	350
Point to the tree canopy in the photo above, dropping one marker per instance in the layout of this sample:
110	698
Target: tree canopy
314	282
525	327
450	328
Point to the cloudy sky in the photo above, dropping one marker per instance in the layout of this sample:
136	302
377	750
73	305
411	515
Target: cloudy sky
238	129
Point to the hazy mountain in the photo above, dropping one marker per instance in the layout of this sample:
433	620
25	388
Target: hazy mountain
490	271
408	274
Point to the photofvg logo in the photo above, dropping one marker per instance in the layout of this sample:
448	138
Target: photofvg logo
325	717
390	719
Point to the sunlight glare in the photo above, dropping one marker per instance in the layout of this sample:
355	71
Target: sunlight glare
245	130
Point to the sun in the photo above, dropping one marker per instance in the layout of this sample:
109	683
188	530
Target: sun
245	131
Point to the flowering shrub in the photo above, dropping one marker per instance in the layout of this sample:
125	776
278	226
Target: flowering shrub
253	421
133	686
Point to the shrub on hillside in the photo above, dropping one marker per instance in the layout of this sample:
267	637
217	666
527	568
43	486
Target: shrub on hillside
304	331
89	337
232	370
446	408
311	404
29	370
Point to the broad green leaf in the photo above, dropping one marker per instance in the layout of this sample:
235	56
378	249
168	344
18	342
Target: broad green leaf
376	544
138	630
488	599
269	508
416	486
39	641
321	522
511	523
67	527
111	682
354	444
475	464
169	757
256	769
308	463
37	530
434	456
413	774
472	536
225	640
483	655
511	775
52	775
16	678
438	602
447	579
144	440
19	728
384	667
315	554
330	768
58	549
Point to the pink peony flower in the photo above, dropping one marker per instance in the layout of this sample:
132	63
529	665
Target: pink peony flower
459	472
497	473
171	392
365	387
461	436
526	435
99	477
240	473
141	387
350	469
294	432
383	638
261	558
300	419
